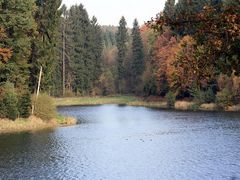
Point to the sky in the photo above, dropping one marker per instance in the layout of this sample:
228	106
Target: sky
109	12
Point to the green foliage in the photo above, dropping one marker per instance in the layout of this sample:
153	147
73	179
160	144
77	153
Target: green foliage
171	98
84	46
108	33
224	98
197	94
60	119
201	96
8	101
44	51
169	10
150	87
185	11
231	84
96	49
209	96
44	107
194	107
17	17
24	105
121	38
138	63
107	83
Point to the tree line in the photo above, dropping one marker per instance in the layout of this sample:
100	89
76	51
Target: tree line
196	54
190	50
97	60
28	42
66	44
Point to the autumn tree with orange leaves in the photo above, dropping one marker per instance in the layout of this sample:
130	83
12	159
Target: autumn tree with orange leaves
214	24
5	53
164	53
190	67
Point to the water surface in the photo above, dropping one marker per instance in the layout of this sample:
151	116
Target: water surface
121	142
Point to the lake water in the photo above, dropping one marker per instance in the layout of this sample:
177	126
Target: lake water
127	143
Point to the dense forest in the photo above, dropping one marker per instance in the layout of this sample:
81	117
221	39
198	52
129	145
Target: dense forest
191	50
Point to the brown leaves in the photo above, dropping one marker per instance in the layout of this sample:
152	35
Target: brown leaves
164	51
5	54
2	33
183	64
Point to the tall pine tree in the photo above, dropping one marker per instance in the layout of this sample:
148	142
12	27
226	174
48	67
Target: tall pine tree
137	54
169	10
17	17
96	49
20	30
121	38
45	45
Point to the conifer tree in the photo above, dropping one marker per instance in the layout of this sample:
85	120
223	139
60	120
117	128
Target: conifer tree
137	53
20	30
169	10
96	48
17	17
45	45
121	38
79	57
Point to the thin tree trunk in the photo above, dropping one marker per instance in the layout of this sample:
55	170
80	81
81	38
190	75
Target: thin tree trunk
38	90
63	58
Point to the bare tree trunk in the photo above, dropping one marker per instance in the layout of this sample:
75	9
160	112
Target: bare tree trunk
38	90
63	58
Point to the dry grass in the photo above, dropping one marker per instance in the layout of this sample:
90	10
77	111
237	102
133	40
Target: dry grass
183	105
33	124
66	121
209	107
125	100
71	121
233	108
160	104
20	125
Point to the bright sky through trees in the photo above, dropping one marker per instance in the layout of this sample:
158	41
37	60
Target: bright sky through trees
109	12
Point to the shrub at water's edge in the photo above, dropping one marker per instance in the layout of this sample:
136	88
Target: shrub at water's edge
45	113
65	121
8	101
44	107
170	99
14	103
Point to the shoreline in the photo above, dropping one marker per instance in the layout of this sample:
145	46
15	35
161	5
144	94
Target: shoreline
33	124
137	101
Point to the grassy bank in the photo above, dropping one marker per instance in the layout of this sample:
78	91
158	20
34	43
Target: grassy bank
99	100
124	100
20	125
33	124
72	101
138	101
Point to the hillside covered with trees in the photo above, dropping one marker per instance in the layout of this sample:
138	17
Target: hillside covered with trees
189	51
